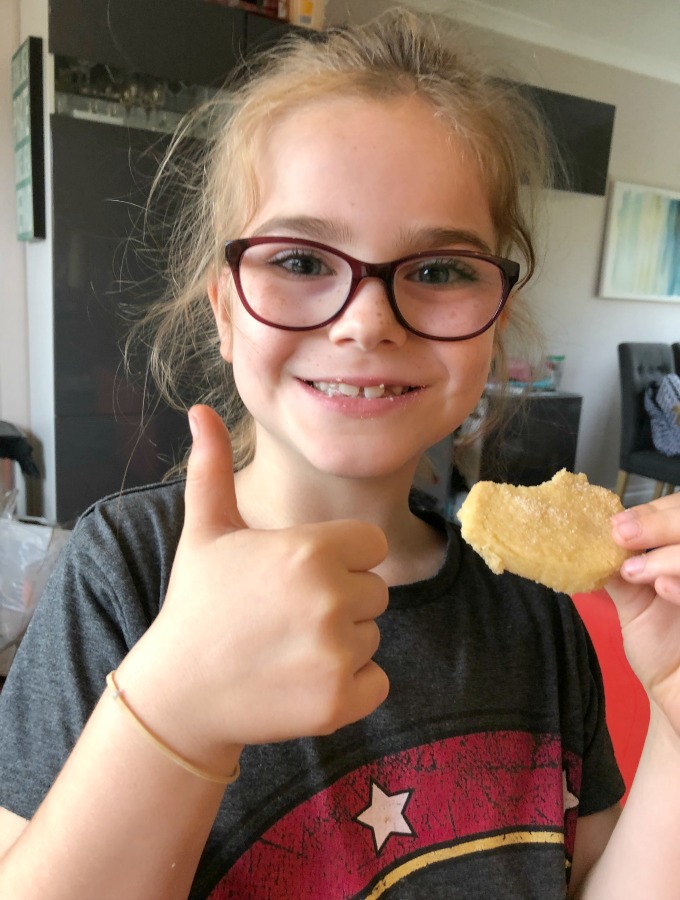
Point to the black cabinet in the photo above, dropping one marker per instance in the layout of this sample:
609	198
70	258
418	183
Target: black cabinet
101	176
102	437
186	40
537	439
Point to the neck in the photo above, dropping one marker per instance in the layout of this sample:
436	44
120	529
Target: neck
271	498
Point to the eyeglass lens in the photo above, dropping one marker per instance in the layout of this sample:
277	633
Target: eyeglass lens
298	286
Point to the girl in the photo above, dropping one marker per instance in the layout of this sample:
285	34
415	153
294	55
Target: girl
405	723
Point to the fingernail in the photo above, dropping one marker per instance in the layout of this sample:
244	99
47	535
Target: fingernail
627	525
193	425
634	565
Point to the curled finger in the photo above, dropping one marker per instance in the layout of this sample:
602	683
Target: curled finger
371	687
366	643
370	596
668	588
655	524
659	568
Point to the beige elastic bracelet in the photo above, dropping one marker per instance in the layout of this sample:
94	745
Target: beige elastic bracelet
117	695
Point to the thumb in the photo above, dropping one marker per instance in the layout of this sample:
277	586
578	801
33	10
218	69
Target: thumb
210	497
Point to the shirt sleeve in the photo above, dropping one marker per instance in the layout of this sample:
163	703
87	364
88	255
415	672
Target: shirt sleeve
86	621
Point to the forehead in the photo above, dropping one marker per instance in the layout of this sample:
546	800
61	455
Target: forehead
390	165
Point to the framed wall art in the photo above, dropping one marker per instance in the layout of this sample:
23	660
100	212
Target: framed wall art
641	257
29	149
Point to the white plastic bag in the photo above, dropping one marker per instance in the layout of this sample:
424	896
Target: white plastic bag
28	552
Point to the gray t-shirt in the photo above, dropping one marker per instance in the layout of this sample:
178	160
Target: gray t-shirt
467	781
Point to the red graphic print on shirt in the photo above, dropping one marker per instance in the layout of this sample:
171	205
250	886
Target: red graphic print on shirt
412	809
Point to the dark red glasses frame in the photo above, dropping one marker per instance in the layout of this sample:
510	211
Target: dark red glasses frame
360	270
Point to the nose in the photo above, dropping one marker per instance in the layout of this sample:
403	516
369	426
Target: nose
368	320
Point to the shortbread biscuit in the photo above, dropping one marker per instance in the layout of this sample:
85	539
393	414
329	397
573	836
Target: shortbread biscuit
557	533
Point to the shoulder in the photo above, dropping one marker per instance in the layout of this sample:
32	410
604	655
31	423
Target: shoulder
134	522
119	556
162	502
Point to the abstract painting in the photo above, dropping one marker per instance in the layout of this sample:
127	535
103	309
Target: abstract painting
641	259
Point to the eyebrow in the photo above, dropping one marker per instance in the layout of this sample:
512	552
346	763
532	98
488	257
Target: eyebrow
443	237
336	232
306	226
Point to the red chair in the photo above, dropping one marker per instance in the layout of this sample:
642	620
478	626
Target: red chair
627	702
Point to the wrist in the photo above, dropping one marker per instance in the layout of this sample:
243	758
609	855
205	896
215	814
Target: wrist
661	730
118	696
175	712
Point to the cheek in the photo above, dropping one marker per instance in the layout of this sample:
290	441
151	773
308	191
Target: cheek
260	354
468	365
238	330
227	344
222	299
470	361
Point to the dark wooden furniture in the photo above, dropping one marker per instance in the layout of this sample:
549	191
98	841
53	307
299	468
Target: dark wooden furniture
538	438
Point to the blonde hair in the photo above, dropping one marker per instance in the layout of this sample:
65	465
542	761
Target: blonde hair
400	53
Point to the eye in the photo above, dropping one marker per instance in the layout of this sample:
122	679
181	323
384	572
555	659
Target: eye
448	270
304	263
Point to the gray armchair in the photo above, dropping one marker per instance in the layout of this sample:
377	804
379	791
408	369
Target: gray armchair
639	365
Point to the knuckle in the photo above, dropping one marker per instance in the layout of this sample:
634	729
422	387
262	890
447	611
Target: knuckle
302	549
325	613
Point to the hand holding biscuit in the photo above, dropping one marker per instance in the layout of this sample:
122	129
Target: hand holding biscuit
647	596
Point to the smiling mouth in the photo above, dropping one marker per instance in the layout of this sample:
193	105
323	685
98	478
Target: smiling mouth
369	392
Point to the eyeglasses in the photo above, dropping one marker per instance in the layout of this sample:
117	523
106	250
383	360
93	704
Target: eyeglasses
300	285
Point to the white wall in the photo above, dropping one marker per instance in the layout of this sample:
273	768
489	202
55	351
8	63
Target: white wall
645	150
14	387
39	292
26	381
15	374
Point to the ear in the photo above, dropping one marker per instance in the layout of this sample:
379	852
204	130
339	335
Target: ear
217	294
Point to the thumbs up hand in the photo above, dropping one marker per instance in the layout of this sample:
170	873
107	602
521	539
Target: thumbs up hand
264	635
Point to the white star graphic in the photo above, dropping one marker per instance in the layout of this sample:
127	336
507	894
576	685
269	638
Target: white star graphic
570	800
385	815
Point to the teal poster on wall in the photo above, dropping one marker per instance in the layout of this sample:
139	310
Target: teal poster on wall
641	259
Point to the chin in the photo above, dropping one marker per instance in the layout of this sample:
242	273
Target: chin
362	465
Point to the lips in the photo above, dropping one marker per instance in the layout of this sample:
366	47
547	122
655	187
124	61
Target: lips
369	391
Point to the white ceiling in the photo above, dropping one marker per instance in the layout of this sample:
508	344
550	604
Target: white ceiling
640	35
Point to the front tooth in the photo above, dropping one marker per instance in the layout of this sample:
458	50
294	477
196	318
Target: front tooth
322	386
397	390
348	390
374	392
